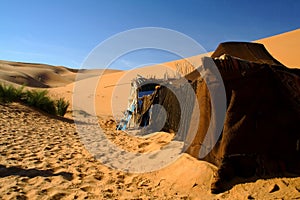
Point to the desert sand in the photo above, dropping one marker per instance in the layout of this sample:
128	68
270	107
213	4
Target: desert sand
284	47
43	157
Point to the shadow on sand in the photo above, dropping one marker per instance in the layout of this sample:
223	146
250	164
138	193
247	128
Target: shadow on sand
31	173
227	185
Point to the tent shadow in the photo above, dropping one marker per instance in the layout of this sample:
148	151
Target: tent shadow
31	173
241	180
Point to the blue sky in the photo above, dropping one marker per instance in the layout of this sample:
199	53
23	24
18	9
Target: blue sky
63	32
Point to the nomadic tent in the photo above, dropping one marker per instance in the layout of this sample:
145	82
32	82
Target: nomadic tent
138	111
261	131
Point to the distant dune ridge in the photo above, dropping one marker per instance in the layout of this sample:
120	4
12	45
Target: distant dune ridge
47	158
41	75
36	75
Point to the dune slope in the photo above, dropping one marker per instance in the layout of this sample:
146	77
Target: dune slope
284	47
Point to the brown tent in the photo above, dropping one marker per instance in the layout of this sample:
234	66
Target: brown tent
261	134
253	52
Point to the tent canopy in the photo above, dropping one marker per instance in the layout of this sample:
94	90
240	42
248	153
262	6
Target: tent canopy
252	52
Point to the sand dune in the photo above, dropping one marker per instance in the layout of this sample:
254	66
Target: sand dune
42	157
41	75
284	47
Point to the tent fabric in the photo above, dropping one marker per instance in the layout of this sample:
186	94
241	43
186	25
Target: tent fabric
261	132
253	52
178	107
178	115
142	113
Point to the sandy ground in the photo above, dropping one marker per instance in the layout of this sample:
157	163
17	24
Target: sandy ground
42	157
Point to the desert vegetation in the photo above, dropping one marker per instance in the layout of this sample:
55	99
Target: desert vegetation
35	98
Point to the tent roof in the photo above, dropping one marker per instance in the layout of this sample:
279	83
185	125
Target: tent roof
253	52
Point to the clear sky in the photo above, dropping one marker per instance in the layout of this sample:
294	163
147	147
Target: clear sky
63	32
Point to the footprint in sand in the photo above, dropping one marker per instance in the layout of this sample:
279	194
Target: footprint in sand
88	188
144	144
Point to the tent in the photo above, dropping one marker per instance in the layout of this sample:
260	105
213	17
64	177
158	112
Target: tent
261	131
